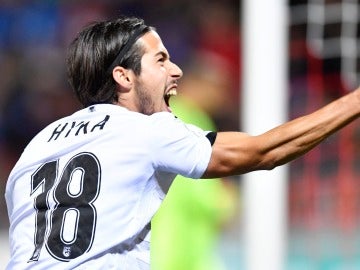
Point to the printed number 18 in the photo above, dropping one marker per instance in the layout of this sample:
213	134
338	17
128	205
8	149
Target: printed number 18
68	227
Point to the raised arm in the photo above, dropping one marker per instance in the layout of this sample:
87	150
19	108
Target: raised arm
236	153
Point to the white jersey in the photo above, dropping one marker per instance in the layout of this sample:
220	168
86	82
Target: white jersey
86	187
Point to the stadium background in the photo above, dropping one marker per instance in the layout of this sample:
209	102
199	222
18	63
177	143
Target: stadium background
324	201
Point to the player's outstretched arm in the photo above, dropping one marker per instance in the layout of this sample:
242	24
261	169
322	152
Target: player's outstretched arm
236	153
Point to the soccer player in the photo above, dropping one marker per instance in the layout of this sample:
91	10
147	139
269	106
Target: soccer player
84	191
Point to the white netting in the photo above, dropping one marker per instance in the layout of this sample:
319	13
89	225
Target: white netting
332	33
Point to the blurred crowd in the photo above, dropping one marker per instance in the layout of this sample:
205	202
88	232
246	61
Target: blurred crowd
202	37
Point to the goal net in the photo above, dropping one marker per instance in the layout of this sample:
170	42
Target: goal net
324	61
324	64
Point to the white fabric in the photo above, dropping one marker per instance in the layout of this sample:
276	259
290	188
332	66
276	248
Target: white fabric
128	154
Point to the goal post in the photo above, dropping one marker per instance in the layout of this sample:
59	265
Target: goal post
264	106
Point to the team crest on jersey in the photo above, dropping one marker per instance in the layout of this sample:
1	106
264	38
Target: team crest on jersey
66	252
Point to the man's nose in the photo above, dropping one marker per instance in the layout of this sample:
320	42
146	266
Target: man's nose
175	70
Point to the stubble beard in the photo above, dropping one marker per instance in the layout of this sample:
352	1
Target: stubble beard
145	102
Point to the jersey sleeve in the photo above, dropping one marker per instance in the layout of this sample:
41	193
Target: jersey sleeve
179	148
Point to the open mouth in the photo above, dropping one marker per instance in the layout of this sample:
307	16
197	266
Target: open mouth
169	94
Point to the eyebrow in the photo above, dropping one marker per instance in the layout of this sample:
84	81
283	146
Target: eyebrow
163	54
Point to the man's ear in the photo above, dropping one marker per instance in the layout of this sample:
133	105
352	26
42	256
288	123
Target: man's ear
123	77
